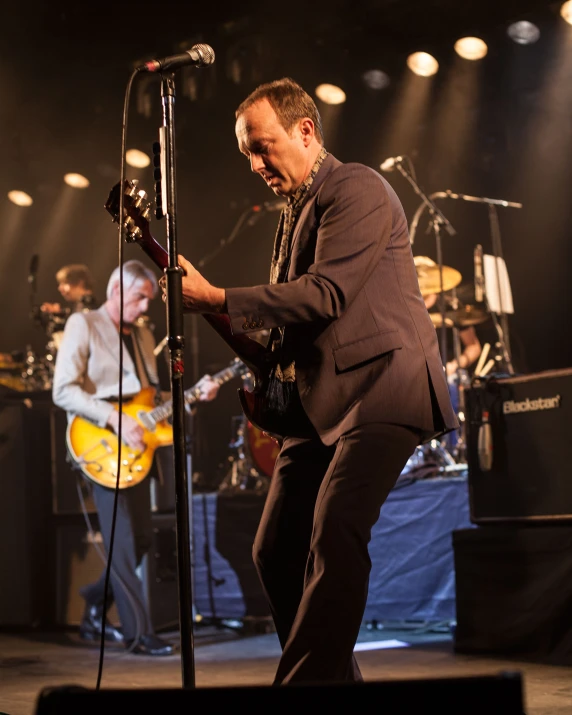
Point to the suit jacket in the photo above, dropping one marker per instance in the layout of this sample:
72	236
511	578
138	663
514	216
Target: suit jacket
87	365
364	345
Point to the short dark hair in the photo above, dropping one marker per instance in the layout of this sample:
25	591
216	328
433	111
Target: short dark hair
75	274
290	102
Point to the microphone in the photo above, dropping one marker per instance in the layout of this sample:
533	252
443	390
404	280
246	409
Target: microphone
33	268
478	259
199	56
389	163
485	444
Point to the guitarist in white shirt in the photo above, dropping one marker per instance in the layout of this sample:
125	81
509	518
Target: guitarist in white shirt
86	382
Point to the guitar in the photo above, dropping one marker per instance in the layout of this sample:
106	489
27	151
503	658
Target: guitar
137	212
94	449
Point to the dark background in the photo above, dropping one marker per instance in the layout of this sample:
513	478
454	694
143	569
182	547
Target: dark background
500	128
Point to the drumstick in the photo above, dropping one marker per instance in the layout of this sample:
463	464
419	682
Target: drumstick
486	368
482	358
160	346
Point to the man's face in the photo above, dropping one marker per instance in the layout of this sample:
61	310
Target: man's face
135	300
71	293
281	158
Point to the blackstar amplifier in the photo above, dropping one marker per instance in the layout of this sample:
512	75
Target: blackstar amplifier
518	448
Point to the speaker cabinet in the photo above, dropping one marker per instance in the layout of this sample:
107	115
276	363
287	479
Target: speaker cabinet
69	486
500	694
160	574
79	561
25	557
513	592
517	439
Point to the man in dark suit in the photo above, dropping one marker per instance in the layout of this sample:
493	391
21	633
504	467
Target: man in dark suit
356	375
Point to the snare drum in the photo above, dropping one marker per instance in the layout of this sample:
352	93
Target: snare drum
262	449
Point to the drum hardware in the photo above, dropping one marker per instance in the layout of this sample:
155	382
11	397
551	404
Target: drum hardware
11	368
242	474
464	317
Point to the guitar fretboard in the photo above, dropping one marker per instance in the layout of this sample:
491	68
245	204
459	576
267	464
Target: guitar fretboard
193	394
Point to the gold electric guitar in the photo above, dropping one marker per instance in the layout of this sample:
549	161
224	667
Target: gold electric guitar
94	449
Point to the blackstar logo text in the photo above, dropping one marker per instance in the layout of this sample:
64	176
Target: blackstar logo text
510	407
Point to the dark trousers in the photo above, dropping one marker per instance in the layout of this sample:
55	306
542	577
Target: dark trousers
131	542
311	548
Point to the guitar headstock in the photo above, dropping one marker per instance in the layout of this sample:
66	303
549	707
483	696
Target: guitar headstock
136	207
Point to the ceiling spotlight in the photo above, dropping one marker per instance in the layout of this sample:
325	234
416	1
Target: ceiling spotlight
376	79
523	32
422	64
471	48
20	198
566	11
330	94
77	181
137	158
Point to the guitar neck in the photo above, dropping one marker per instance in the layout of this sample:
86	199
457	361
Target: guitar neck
192	395
246	348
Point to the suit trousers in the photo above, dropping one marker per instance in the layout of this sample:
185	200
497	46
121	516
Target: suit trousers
311	547
131	542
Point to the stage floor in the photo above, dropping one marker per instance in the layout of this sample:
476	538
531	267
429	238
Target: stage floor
229	657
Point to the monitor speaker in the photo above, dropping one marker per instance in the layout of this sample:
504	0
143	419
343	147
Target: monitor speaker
500	694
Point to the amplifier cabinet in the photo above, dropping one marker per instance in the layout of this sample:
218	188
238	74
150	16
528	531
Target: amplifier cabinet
518	432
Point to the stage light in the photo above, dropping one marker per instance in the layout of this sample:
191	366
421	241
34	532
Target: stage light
376	79
330	94
422	64
471	48
20	198
566	11
523	32
77	181
137	159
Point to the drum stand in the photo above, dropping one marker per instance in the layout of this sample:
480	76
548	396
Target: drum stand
242	475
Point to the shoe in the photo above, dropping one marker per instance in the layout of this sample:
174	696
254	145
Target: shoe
90	626
150	645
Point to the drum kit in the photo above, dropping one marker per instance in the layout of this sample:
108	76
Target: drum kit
252	454
28	370
458	312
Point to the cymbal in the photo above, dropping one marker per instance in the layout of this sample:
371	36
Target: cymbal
430	280
464	317
468	315
437	321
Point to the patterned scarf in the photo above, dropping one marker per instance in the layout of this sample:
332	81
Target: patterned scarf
281	252
285	230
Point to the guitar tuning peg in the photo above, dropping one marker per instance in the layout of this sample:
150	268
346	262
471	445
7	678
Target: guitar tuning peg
141	196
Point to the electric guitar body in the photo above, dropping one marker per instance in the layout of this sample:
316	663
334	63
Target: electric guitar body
94	449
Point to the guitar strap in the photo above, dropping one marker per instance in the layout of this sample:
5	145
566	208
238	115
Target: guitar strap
141	365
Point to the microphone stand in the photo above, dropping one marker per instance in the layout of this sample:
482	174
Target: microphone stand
176	342
438	220
500	323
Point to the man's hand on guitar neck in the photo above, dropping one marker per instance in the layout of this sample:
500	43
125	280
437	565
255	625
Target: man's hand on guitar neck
131	431
199	296
207	389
